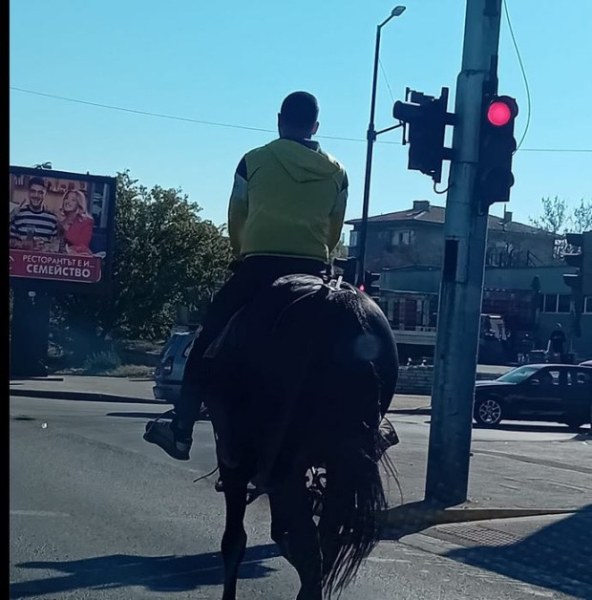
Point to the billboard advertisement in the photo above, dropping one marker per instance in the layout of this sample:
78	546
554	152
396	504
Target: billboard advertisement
60	229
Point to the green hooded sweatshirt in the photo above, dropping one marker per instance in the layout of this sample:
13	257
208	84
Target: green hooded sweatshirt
295	202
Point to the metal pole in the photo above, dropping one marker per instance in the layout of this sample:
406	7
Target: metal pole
461	288
370	137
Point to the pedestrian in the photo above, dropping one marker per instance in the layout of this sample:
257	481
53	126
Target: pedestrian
285	216
557	343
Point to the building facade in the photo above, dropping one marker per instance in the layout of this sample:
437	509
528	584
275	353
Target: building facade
523	281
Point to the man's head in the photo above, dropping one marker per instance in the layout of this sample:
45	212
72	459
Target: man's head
36	193
298	115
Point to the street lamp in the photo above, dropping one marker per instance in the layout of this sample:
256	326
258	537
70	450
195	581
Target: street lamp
371	138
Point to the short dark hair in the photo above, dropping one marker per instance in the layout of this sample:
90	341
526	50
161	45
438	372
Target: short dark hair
36	181
300	110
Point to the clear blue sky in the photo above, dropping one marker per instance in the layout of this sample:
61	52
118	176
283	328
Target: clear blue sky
233	62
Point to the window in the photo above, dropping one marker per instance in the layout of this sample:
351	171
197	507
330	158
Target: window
564	303
588	304
557	303
547	378
550	303
354	237
403	238
578	378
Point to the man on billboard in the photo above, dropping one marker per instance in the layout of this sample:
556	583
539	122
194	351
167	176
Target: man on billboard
32	226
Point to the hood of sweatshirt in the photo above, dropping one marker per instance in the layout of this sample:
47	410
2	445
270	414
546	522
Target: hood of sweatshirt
304	160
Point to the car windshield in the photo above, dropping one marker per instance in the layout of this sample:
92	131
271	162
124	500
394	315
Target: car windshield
518	375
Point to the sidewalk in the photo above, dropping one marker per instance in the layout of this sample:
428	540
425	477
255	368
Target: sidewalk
79	387
122	389
529	501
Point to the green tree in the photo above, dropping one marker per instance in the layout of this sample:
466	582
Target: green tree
165	255
556	217
582	216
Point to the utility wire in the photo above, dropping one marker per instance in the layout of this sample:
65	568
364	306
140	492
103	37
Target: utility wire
528	99
388	85
234	126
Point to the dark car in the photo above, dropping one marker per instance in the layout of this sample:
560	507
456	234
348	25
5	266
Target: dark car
545	392
168	374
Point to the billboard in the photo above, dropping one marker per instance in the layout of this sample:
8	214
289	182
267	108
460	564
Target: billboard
60	230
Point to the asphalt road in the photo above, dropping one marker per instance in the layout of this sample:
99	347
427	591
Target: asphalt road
96	513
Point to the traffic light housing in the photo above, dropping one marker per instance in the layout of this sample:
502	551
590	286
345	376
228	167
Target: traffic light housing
371	285
496	150
425	119
580	282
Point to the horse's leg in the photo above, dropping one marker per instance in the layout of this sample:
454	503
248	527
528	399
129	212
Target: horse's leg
234	540
329	534
295	532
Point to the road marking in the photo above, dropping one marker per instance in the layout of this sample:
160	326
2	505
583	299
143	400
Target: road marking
38	513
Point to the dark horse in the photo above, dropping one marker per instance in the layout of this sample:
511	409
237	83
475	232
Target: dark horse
301	378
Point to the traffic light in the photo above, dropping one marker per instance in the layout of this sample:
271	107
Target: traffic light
425	119
496	149
371	285
348	267
580	282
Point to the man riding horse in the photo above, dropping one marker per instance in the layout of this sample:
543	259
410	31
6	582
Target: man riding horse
285	216
296	368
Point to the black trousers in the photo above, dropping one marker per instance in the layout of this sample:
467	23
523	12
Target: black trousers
249	276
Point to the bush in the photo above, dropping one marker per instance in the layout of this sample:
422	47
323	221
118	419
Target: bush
100	362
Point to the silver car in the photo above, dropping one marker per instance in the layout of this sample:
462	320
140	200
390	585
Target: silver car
168	374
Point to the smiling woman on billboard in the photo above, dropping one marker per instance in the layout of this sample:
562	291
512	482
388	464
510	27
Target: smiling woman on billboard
75	224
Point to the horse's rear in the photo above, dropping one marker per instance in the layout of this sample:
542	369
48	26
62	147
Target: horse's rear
302	380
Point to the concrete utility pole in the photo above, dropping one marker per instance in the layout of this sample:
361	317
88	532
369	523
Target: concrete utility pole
465	230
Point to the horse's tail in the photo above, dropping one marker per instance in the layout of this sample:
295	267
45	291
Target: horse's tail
354	496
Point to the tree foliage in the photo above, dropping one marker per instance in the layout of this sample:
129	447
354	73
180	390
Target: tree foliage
557	217
165	255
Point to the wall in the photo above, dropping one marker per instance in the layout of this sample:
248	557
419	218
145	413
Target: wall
427	247
418	380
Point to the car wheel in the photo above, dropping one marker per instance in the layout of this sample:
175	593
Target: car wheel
488	412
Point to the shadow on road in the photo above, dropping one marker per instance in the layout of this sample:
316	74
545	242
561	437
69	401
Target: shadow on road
148	415
557	557
154	573
410	518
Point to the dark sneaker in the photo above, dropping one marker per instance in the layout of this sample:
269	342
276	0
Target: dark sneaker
171	440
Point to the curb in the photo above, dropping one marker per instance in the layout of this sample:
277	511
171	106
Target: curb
411	411
415	517
91	396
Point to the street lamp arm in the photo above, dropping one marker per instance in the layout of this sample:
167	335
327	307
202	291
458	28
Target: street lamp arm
388	129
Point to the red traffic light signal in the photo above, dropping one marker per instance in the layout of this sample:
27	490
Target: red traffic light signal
501	111
496	149
371	285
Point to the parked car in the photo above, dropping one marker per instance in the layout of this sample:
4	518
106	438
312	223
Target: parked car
541	392
586	363
168	374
